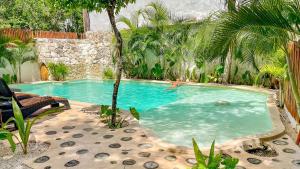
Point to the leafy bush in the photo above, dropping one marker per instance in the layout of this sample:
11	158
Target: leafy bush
59	71
106	113
157	72
23	128
108	74
9	79
212	161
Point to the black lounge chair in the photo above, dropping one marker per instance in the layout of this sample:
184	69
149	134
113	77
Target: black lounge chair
28	105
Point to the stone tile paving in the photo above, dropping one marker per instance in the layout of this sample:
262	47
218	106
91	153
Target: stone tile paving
80	140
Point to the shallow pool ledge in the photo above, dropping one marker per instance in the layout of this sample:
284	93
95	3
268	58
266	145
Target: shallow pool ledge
278	128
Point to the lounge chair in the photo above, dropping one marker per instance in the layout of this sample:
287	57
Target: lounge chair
29	105
5	91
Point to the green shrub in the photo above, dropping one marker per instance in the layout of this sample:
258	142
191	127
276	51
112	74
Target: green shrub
9	79
106	113
212	161
108	74
59	71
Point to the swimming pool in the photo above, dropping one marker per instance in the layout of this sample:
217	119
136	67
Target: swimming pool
177	115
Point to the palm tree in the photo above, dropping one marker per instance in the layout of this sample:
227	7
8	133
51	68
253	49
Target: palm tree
22	52
5	54
278	19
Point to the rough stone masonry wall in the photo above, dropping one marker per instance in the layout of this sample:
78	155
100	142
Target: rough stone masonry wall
86	58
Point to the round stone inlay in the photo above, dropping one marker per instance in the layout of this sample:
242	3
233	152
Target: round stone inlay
129	162
94	133
47	167
279	142
113	162
82	151
126	138
288	150
68	127
239	167
88	129
129	130
97	142
72	163
191	161
144	154
115	145
67	144
77	135
171	158
102	156
145	145
125	152
254	161
296	163
41	159
151	165
108	136
50	132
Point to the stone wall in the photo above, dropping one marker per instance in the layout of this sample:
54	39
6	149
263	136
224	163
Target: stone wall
87	58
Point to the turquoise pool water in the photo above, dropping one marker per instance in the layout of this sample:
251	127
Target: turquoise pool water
177	115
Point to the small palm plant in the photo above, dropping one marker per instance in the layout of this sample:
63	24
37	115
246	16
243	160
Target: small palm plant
212	161
106	113
23	128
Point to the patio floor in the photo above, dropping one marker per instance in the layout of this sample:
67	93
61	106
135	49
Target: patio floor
77	139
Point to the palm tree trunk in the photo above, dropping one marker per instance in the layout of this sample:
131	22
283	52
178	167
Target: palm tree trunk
119	45
227	68
19	73
86	20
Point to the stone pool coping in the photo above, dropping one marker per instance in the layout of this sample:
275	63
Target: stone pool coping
278	128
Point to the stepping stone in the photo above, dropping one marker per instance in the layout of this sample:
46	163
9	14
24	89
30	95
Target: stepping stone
77	135
47	167
72	163
67	144
296	163
88	129
288	150
144	135
144	154
237	151
129	130
171	158
82	151
58	139
66	132
115	145
108	136
128	162
279	142
145	145
68	127
51	132
97	142
94	133
191	161
41	159
151	165
126	138
113	162
102	156
254	161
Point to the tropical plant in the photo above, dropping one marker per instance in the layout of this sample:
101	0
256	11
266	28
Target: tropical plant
212	161
276	21
106	113
5	54
59	71
24	128
112	7
22	52
108	73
